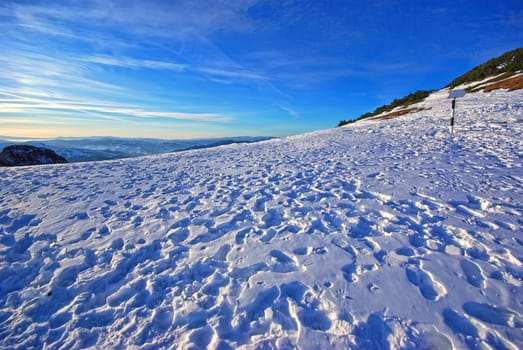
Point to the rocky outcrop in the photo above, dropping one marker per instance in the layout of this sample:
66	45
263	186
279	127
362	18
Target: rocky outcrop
28	155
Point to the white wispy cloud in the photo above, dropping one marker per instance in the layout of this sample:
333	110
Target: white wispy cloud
128	62
155	18
185	25
23	67
39	88
28	121
293	113
182	29
297	71
18	104
59	50
234	73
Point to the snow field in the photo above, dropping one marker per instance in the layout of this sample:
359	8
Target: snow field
389	234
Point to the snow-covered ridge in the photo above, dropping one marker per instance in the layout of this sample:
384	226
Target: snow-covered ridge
389	234
107	148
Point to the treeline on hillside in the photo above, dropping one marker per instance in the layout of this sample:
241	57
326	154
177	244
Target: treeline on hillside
508	63
505	66
408	100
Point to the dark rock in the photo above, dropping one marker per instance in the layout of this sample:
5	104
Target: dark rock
28	155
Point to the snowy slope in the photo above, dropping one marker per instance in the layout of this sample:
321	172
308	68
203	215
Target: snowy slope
382	234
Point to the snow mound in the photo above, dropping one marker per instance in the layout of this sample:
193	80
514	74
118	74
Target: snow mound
379	235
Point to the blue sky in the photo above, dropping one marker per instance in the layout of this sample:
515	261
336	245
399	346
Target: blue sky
194	69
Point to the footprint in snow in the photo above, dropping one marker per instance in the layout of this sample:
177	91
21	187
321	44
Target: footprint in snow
473	273
429	288
493	314
20	222
284	263
273	217
458	323
268	235
352	272
405	251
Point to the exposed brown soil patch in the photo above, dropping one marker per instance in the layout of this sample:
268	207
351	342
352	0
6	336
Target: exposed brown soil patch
400	112
511	84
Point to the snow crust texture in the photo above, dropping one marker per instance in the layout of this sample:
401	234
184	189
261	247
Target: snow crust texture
379	235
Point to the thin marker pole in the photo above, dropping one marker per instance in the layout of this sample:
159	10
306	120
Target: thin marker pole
452	118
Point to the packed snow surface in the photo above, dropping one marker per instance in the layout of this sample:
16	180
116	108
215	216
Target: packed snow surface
379	235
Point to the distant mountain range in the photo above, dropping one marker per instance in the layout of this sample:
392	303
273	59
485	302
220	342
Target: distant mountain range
503	72
106	148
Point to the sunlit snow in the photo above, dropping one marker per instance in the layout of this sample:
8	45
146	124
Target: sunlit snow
381	234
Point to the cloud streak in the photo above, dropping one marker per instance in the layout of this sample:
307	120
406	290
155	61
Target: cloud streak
19	104
127	62
185	25
235	74
153	18
43	71
289	110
